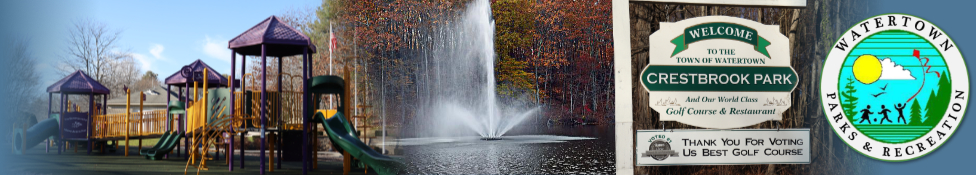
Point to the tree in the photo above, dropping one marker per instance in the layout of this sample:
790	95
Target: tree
122	72
92	48
20	82
849	100
302	19
916	114
318	31
514	34
17	71
149	75
938	101
557	52
148	81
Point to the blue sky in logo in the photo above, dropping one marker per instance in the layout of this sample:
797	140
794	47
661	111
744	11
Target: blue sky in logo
898	46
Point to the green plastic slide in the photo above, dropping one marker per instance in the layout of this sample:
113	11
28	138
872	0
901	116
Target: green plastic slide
343	137
165	147
163	139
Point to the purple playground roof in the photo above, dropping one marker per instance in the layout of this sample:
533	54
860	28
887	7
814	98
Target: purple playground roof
213	76
78	83
278	38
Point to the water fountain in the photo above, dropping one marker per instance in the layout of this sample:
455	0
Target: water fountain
464	127
464	79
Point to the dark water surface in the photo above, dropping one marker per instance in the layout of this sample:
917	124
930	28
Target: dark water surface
548	150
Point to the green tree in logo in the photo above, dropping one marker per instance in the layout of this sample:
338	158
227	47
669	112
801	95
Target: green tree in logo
938	101
916	115
849	100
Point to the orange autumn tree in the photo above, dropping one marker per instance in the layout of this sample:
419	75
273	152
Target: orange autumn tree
556	53
514	36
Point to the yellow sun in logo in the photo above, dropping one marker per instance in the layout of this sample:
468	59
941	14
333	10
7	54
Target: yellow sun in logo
867	69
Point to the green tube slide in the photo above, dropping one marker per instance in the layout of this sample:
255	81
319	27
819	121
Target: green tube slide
34	135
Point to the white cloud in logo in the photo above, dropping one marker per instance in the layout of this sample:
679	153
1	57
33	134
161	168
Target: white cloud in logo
892	71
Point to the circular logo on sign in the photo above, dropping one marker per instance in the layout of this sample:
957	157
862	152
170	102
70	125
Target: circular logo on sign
659	150
894	87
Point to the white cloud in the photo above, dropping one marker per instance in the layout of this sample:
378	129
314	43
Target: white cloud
216	48
143	60
892	71
157	51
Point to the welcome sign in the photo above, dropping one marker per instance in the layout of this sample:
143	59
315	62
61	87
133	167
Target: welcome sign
719	72
720	31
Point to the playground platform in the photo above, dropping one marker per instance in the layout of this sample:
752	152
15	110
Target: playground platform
36	161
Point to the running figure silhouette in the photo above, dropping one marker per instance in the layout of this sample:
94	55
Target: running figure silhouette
885	113
901	115
864	114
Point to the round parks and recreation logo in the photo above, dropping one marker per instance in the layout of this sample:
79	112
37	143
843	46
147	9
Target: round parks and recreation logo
894	87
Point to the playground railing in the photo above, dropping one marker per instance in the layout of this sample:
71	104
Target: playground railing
147	123
110	125
291	106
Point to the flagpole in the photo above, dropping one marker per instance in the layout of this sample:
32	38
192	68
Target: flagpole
331	39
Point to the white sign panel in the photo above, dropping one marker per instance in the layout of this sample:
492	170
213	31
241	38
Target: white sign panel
719	72
722	147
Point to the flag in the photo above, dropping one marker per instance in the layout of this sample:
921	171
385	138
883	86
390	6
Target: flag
332	40
332	46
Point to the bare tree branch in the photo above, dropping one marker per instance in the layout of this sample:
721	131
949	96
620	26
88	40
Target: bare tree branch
93	49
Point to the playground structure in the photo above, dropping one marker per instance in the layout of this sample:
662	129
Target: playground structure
91	126
95	126
219	109
279	115
75	125
271	37
192	108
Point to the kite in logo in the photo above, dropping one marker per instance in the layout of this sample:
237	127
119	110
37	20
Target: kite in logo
894	90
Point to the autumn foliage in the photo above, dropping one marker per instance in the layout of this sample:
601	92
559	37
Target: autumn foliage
555	53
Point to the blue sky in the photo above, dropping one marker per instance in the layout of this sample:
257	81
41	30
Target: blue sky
163	35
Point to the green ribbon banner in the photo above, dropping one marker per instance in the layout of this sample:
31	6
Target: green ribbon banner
719	31
718	78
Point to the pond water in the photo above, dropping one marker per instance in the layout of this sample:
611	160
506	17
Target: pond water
546	150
